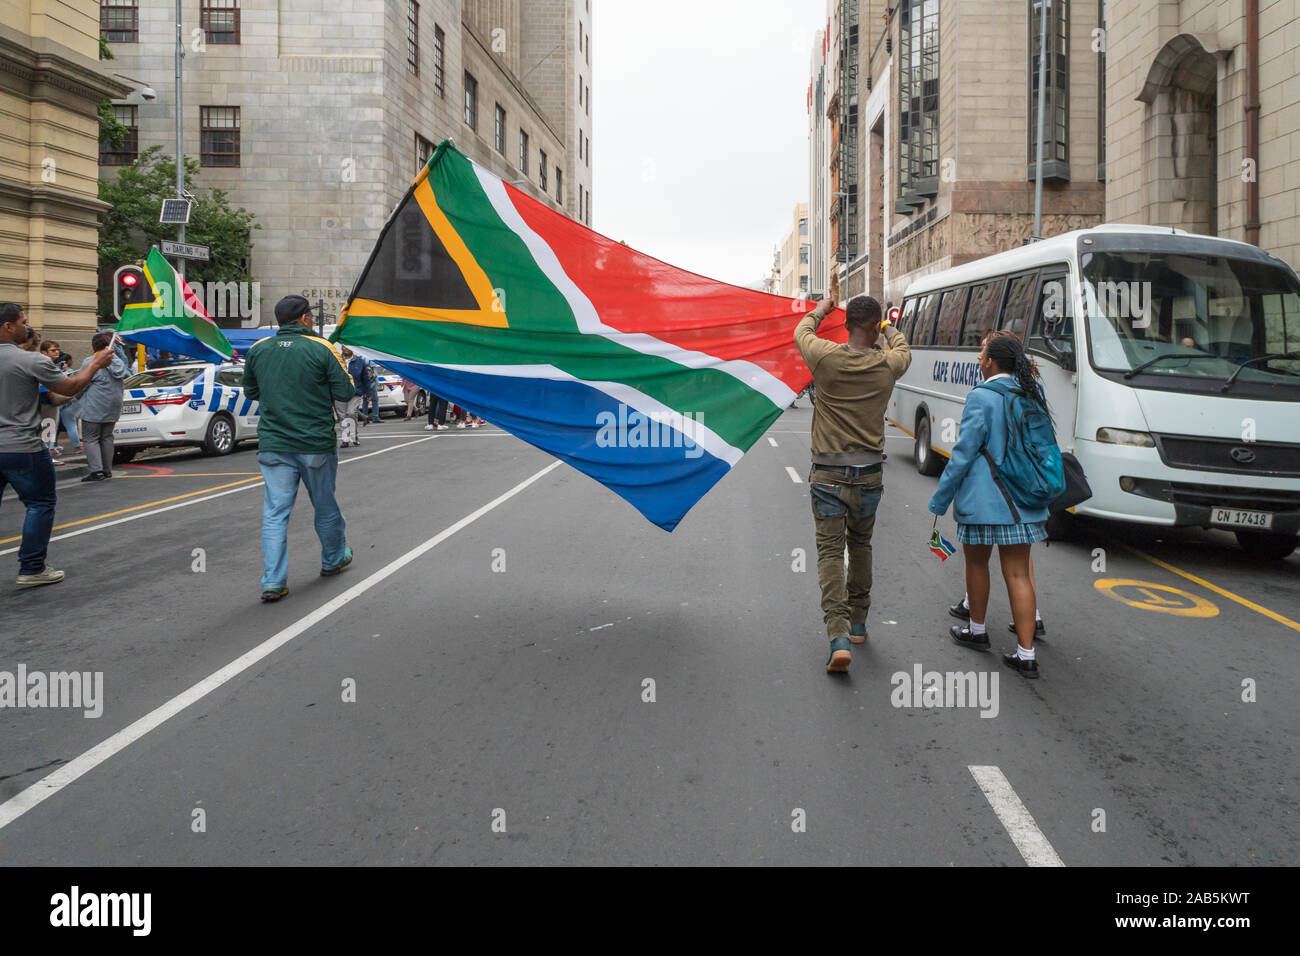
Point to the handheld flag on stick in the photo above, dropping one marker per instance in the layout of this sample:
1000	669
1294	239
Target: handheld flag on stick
652	380
175	321
940	546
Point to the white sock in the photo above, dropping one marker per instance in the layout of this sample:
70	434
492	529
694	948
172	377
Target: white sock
1025	655
976	628
965	601
1037	616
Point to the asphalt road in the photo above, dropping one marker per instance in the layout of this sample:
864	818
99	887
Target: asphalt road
499	646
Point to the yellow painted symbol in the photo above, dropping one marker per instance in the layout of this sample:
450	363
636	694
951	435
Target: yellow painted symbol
1155	597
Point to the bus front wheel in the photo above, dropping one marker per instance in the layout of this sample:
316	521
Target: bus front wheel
1261	544
927	462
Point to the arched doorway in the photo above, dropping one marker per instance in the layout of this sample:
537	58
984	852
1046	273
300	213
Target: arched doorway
1181	150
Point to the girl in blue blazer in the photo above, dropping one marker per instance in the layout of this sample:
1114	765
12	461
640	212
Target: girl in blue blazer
984	515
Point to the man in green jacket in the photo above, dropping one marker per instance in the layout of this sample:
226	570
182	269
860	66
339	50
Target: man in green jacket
296	377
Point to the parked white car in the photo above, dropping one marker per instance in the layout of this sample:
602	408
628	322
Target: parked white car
196	403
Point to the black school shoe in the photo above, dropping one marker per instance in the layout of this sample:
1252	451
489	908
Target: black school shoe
960	611
1039	629
1027	669
963	636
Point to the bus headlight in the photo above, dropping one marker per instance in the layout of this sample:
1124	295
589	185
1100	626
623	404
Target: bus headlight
1120	436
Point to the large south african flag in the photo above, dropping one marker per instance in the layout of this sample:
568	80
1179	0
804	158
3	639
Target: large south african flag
652	380
175	320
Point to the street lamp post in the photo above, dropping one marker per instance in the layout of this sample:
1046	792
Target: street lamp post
180	132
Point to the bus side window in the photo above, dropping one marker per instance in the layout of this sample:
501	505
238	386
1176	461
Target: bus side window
982	313
905	320
1017	305
925	315
1054	298
950	316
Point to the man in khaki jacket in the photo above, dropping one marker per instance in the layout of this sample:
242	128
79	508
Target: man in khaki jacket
848	440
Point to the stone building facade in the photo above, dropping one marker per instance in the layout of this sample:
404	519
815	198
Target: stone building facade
51	84
337	103
795	256
953	137
1178	118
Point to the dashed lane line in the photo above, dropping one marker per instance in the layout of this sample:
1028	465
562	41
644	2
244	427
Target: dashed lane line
1019	823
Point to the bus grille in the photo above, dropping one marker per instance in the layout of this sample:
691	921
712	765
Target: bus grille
1273	459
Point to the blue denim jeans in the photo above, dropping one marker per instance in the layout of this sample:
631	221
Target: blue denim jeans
282	472
32	475
372	399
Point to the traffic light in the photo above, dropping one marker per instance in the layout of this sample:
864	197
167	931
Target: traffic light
894	314
129	287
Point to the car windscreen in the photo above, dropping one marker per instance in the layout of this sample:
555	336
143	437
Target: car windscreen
163	377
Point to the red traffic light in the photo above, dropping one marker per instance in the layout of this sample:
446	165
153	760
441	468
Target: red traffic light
893	315
129	280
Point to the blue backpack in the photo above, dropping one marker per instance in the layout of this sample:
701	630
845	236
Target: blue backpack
1032	473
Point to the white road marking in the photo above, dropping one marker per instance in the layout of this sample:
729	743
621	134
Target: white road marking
771	441
195	501
51	784
1020	825
794	475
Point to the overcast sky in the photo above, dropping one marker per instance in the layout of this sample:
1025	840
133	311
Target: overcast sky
700	128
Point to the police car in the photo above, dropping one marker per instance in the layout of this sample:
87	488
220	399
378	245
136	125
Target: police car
195	403
389	390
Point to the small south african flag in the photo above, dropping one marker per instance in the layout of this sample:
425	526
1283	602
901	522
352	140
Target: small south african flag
941	546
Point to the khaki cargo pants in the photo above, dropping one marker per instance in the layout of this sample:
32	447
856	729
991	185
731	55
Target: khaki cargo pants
844	503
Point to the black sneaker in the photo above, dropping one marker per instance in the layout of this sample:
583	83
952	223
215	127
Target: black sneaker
960	611
1039	629
963	636
1027	669
95	476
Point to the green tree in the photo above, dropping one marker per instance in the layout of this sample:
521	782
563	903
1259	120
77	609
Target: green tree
111	132
131	225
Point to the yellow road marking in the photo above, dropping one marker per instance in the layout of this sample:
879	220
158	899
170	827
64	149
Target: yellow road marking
1272	615
113	514
1187	605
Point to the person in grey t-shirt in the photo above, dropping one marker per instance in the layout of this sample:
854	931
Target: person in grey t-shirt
101	407
24	460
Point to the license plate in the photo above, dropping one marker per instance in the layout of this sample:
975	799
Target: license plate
131	408
1235	518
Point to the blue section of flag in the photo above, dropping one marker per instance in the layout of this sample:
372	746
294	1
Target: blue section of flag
175	342
561	418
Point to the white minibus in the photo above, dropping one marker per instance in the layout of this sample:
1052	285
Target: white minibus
1170	361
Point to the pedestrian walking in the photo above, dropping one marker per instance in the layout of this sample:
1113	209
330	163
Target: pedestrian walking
24	462
361	373
101	407
853	383
986	515
297	377
372	391
410	392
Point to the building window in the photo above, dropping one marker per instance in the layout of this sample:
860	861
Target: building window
119	20
580	202
918	92
803	226
219	20
580	144
581	43
587	158
125	154
559	185
439	42
1056	159
589	49
499	134
219	135
588	219
471	101
413	37
588	103
579	91
423	150
523	152
1101	94
541	169
803	254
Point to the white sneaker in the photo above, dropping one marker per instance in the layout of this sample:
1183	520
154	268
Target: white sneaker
462	425
46	575
430	428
